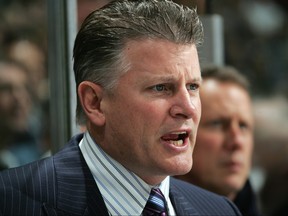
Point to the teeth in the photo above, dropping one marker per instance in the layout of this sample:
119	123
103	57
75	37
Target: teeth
175	138
177	143
179	133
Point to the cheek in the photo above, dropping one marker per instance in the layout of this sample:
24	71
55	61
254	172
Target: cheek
150	111
205	152
138	117
6	102
198	110
207	142
249	147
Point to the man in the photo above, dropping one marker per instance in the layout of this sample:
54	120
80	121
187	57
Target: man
18	142
222	156
137	75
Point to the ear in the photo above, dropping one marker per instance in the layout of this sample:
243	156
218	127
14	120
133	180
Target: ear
90	96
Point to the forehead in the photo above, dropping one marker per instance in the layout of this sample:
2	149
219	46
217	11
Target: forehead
215	87
156	55
149	45
225	98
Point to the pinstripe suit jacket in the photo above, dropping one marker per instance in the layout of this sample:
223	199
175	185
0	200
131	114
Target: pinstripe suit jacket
63	185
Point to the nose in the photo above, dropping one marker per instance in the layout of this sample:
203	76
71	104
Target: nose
185	105
234	138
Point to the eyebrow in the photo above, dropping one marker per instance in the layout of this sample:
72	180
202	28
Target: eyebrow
171	78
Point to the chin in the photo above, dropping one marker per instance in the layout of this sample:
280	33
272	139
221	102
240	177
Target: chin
235	185
183	170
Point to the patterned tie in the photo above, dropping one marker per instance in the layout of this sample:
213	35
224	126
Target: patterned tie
156	204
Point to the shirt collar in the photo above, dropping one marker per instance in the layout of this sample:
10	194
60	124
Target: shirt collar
124	193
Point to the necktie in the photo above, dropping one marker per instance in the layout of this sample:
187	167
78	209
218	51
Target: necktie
156	204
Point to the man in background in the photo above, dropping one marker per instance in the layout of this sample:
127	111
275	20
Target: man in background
18	143
224	144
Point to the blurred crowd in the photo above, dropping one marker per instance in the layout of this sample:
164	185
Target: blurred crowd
256	43
24	90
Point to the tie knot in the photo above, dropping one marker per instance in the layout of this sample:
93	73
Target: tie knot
156	204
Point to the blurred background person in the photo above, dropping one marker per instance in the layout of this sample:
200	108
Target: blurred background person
223	152
23	26
18	143
31	55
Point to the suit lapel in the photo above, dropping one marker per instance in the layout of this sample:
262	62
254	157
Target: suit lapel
78	193
179	202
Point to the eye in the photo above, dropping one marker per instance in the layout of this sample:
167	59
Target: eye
243	126
193	86
6	88
160	88
215	124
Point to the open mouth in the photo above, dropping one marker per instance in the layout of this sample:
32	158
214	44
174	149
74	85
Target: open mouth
176	138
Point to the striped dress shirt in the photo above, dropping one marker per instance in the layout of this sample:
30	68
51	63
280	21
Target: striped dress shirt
124	193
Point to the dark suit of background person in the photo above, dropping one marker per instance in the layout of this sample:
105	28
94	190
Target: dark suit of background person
224	144
128	56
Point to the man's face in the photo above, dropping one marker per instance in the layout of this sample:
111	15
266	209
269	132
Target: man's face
224	143
15	101
152	118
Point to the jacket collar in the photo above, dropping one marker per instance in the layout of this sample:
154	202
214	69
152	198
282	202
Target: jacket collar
77	192
181	206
